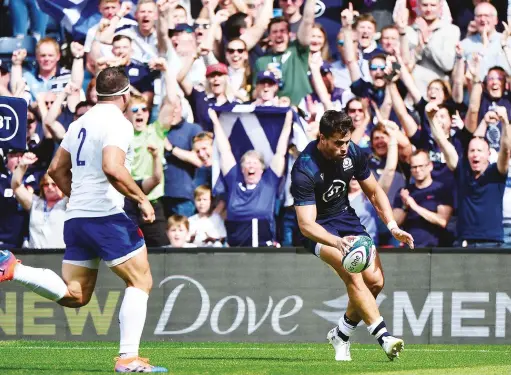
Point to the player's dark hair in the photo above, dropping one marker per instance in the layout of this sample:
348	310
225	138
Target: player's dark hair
279	20
111	80
334	122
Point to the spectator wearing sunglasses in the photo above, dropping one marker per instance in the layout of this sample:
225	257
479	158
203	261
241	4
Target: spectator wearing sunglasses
289	59
238	69
47	211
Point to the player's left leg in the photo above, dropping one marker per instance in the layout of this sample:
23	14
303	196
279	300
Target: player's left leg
73	290
362	303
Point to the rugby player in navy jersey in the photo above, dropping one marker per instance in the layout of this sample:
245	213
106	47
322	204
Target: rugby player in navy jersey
320	178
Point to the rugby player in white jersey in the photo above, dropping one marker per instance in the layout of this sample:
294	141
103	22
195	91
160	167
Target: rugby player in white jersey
92	167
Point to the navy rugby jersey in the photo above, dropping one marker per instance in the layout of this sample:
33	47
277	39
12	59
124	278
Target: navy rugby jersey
316	180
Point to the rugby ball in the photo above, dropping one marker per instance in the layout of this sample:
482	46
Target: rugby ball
360	255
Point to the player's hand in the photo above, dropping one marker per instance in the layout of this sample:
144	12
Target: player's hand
344	244
147	211
403	236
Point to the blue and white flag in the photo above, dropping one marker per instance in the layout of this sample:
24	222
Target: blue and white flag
250	127
77	16
13	123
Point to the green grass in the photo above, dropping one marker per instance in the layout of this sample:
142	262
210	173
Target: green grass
72	358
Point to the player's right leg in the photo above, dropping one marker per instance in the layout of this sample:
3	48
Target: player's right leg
362	304
121	245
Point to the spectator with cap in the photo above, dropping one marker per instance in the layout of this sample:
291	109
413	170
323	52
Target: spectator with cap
251	190
424	208
480	185
181	163
326	95
215	92
111	11
46	211
266	91
287	59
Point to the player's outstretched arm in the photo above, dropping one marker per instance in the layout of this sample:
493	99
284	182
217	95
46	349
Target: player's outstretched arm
121	180
307	223
381	203
60	170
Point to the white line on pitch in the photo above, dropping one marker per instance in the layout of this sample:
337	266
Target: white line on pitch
241	348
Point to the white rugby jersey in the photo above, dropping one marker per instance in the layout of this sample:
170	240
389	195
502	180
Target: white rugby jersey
91	193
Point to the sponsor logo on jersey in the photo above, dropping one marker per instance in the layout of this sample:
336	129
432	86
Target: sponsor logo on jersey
335	190
347	164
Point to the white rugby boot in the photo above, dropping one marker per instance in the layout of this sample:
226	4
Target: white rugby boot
392	346
342	348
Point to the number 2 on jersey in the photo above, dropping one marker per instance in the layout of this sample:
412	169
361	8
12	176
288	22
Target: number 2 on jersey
83	134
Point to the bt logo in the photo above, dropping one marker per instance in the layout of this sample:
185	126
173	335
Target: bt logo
335	190
9	122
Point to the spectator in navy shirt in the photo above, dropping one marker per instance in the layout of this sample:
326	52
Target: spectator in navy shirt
251	190
181	163
425	207
13	218
365	26
480	184
486	95
141	75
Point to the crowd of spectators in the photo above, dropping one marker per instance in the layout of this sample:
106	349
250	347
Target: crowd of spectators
426	83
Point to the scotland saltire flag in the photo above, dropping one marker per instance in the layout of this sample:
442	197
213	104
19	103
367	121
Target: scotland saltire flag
77	16
250	127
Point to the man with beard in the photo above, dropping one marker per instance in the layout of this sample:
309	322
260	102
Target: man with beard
480	185
424	207
289	61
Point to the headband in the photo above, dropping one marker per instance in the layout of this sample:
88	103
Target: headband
120	92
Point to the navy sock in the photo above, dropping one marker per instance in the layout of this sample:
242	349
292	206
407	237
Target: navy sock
380	331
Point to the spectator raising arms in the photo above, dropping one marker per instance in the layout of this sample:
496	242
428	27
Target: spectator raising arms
251	190
480	184
47	212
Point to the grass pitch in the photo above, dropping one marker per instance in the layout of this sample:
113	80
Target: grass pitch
72	358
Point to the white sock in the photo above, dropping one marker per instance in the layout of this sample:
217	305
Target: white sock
346	328
132	320
41	281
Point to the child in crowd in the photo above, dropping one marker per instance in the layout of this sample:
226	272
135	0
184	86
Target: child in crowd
206	227
178	229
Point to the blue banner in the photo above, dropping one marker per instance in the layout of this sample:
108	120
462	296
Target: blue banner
13	123
250	127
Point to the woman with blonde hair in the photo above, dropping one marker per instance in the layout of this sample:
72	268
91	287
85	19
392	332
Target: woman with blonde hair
47	211
319	42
